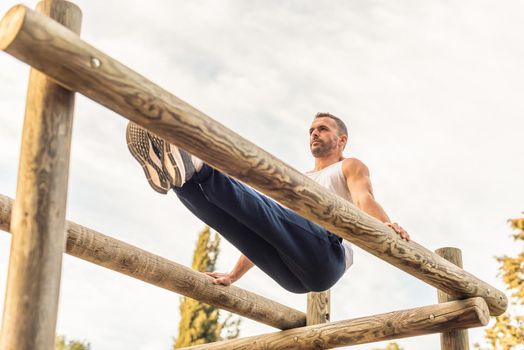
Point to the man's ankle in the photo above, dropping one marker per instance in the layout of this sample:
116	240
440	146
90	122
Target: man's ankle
197	163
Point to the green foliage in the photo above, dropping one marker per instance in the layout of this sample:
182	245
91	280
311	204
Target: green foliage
199	322
506	334
512	268
60	344
391	346
508	331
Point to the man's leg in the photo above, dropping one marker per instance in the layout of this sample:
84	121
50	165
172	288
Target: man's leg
312	253
260	252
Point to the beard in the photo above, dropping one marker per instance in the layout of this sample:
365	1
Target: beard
322	149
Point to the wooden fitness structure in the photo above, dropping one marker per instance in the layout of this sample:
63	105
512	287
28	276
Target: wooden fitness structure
48	40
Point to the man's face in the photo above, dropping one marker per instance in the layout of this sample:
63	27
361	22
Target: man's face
323	137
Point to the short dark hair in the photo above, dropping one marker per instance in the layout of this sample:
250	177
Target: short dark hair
341	126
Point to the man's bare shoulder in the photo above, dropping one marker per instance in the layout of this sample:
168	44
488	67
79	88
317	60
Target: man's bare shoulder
353	166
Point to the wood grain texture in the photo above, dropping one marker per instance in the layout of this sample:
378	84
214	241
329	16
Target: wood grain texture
99	249
64	57
399	324
318	307
455	339
33	283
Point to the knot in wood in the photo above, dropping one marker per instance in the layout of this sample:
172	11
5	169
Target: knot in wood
95	62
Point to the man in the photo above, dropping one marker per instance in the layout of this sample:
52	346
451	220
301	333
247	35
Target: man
298	254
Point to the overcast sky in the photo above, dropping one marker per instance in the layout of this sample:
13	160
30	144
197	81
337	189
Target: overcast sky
431	92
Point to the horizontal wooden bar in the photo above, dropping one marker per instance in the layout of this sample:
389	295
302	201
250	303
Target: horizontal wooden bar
393	325
63	56
99	249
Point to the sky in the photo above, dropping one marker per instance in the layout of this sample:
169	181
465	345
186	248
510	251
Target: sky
431	92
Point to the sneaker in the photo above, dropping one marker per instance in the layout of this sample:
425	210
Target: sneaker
149	154
178	164
169	167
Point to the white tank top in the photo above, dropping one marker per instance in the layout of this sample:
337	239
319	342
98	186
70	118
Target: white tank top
332	178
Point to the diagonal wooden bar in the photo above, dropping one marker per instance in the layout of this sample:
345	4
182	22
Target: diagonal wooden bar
393	325
99	249
63	56
35	261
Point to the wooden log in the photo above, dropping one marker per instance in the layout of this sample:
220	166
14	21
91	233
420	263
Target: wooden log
64	57
318	307
35	264
99	249
455	339
393	325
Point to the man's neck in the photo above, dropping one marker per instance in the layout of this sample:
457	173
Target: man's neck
323	162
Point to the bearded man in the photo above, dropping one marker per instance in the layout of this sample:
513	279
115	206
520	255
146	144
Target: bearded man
298	254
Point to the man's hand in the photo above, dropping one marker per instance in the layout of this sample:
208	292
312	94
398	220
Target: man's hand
398	229
242	266
220	278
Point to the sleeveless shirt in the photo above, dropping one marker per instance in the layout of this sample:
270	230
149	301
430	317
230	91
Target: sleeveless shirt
332	178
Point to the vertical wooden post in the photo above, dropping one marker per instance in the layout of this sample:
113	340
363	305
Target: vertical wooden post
33	282
457	339
318	307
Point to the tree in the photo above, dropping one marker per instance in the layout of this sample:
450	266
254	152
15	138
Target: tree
199	321
392	346
508	331
60	344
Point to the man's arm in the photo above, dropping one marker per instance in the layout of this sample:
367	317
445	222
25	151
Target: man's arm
242	266
359	185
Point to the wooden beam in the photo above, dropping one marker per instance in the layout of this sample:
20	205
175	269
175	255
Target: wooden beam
456	339
399	324
99	249
35	263
64	57
318	307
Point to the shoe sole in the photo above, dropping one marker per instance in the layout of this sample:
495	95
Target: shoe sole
141	149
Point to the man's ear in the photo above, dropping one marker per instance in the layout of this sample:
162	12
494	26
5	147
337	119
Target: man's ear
343	140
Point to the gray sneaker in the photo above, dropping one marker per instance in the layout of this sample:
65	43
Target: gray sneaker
177	164
150	156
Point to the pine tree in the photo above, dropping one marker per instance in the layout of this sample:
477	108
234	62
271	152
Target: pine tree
198	321
508	331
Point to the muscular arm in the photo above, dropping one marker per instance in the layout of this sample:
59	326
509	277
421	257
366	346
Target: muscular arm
241	267
359	185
